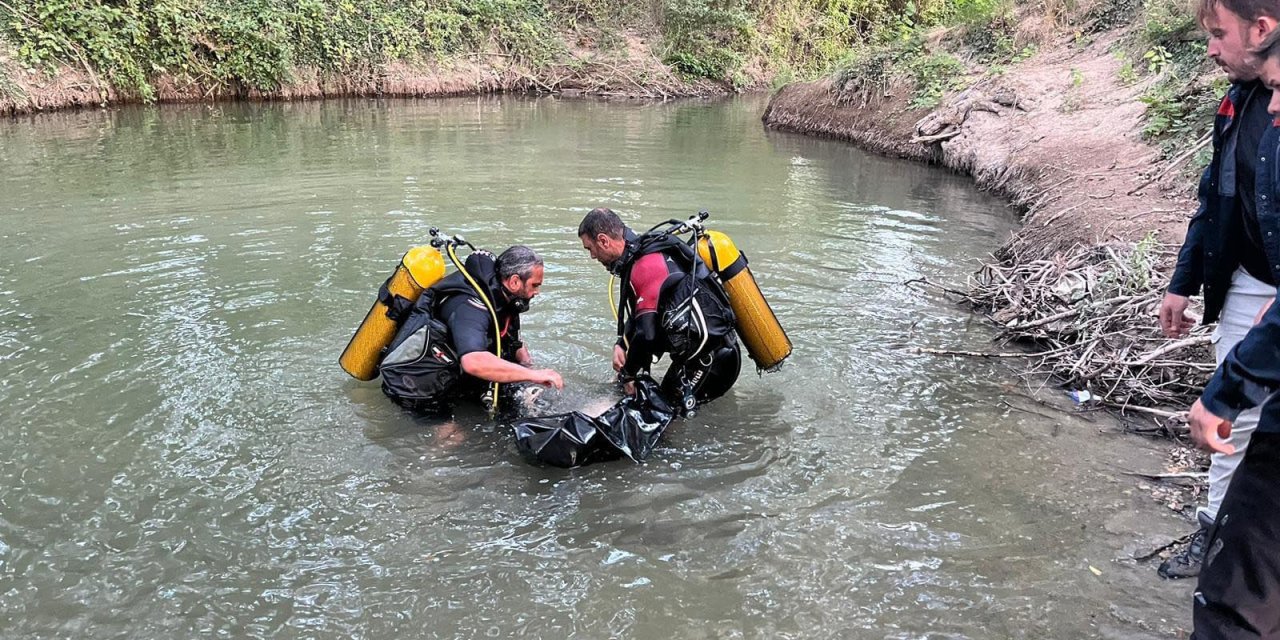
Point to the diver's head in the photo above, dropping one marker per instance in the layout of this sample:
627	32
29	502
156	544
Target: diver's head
603	236
520	272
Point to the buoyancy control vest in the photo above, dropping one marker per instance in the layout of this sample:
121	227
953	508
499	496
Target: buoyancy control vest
693	309
421	363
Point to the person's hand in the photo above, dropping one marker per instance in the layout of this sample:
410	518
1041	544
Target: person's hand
523	358
629	387
1174	321
1209	431
619	357
1262	312
547	377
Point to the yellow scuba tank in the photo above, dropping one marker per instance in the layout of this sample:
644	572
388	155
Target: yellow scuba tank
420	268
767	343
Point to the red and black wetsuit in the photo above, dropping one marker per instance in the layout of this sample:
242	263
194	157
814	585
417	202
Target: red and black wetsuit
651	267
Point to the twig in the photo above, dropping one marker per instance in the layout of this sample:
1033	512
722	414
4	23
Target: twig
974	354
1171	347
1025	410
946	135
1155	412
1186	475
1175	162
963	294
1155	552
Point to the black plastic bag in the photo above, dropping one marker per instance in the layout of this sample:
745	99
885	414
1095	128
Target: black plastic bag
630	428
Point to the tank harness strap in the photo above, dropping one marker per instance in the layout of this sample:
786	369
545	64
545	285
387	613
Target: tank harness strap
398	307
730	271
735	268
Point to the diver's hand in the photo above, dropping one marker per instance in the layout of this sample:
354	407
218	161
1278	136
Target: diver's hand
547	377
1174	321
619	357
1209	431
523	358
629	388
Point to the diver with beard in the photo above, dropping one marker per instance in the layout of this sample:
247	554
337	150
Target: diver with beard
656	289
445	350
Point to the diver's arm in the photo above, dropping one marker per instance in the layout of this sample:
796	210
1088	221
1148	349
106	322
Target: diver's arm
486	366
643	345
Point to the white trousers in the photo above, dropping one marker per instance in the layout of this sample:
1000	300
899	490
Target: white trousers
1245	299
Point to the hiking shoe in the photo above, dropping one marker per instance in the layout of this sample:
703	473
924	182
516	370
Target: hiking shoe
1186	563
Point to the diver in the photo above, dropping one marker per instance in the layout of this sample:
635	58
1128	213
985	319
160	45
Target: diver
671	303
444	351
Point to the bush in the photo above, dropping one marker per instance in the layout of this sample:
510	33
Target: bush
706	38
257	43
934	74
1166	22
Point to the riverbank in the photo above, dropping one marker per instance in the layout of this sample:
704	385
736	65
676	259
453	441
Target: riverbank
634	73
1060	136
55	54
1104	211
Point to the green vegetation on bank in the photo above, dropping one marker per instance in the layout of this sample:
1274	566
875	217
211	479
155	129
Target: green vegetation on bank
926	44
260	44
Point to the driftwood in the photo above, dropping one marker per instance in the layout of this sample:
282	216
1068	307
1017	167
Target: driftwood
1091	313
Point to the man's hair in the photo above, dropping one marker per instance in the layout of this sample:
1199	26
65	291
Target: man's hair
601	220
518	260
1249	10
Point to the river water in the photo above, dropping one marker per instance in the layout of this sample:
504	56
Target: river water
184	458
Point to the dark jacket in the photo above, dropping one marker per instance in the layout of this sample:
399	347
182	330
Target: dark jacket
1208	256
1251	372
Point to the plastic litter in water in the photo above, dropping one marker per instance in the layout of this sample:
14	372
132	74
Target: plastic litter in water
1081	396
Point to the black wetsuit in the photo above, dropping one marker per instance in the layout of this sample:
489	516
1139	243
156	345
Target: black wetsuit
422	369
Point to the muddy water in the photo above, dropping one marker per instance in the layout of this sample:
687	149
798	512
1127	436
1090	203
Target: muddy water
183	458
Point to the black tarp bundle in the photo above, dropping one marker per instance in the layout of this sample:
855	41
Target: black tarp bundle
631	428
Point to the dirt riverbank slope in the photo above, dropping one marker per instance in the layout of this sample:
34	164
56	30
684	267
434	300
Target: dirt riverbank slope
1058	134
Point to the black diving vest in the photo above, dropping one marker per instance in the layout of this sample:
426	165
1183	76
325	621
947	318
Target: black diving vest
693	308
420	363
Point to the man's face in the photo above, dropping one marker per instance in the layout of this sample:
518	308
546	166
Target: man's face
603	249
1231	38
526	289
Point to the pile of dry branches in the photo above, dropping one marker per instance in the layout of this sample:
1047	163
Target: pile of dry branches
1093	312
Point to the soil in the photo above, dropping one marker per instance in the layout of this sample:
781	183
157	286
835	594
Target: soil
1057	134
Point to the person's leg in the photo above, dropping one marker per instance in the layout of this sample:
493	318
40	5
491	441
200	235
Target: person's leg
723	372
1244	300
693	382
1238	595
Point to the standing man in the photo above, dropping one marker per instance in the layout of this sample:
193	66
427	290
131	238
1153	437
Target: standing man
1238	594
653	271
1225	251
445	351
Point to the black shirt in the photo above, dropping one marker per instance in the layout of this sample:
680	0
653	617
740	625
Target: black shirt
1254	122
470	322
